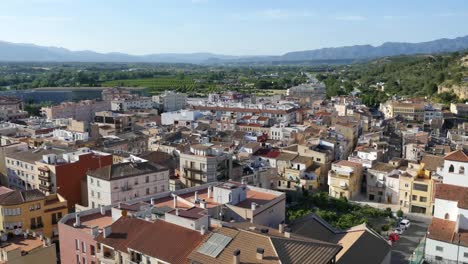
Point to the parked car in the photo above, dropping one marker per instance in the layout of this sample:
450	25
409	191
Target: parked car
405	224
399	230
393	237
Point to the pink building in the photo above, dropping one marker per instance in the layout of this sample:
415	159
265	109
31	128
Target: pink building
81	111
77	233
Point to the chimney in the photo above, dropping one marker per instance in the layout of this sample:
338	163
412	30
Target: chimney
260	253
177	211
236	256
153	201
254	206
209	191
202	230
281	228
25	235
196	196
95	231
77	220
175	201
103	210
287	234
120	205
203	204
107	231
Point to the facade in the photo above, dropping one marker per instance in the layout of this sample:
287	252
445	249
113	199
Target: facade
81	111
31	210
459	109
447	238
115	122
125	181
377	179
180	118
70	136
344	179
117	92
54	170
204	164
129	103
78	232
170	101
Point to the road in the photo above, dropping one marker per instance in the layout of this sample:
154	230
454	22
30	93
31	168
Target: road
405	246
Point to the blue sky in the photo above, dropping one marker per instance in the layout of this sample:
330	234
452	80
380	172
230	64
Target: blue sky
238	27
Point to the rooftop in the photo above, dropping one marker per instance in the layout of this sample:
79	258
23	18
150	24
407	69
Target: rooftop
457	155
92	220
19	197
452	193
125	170
24	244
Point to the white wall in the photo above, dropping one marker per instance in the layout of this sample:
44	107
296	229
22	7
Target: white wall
443	206
449	250
455	178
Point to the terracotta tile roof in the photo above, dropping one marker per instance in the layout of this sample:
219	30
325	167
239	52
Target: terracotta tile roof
19	197
431	162
349	164
457	155
452	193
441	229
168	242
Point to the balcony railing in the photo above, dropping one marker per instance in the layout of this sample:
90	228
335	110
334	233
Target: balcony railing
45	188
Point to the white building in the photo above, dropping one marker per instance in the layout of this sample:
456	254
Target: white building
70	136
170	101
447	236
183	116
134	102
125	181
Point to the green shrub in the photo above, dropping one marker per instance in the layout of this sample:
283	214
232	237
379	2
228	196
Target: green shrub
399	213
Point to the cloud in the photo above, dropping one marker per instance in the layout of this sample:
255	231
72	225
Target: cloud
351	18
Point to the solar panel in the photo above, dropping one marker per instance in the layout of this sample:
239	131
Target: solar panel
214	245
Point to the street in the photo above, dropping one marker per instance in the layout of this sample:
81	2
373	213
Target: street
405	246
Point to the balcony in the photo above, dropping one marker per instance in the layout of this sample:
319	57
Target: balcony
45	177
344	185
45	188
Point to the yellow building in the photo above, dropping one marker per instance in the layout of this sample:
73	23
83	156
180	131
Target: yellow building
31	210
416	189
344	179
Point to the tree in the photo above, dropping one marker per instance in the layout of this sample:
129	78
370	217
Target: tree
399	213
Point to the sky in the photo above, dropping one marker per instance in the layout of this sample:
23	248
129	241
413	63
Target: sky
234	27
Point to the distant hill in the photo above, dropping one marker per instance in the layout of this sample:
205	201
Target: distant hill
32	53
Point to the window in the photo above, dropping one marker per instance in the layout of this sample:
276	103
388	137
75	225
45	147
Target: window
423	199
451	168
83	247
420	187
92	193
465	254
447	216
438	248
98	195
92	250
147	191
78	259
91	180
97	183
84	260
147	179
77	244
438	258
415	197
461	170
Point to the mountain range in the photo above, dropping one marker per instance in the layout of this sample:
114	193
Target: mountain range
15	52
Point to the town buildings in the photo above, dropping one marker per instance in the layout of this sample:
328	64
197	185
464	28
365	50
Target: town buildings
122	104
125	181
447	238
31	210
54	170
204	163
344	179
170	101
81	111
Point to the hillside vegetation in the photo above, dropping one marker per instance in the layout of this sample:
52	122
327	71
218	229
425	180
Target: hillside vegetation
416	76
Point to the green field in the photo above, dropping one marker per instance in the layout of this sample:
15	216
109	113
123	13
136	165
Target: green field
157	85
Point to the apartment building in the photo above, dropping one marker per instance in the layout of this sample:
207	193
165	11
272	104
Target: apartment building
447	238
129	103
170	101
367	156
286	113
69	135
54	170
378	178
81	111
416	190
344	179
78	232
204	163
113	123
125	181
115	92
31	210
11	108
302	174
459	109
180	118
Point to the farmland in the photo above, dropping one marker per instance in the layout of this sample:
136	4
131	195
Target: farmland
157	85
